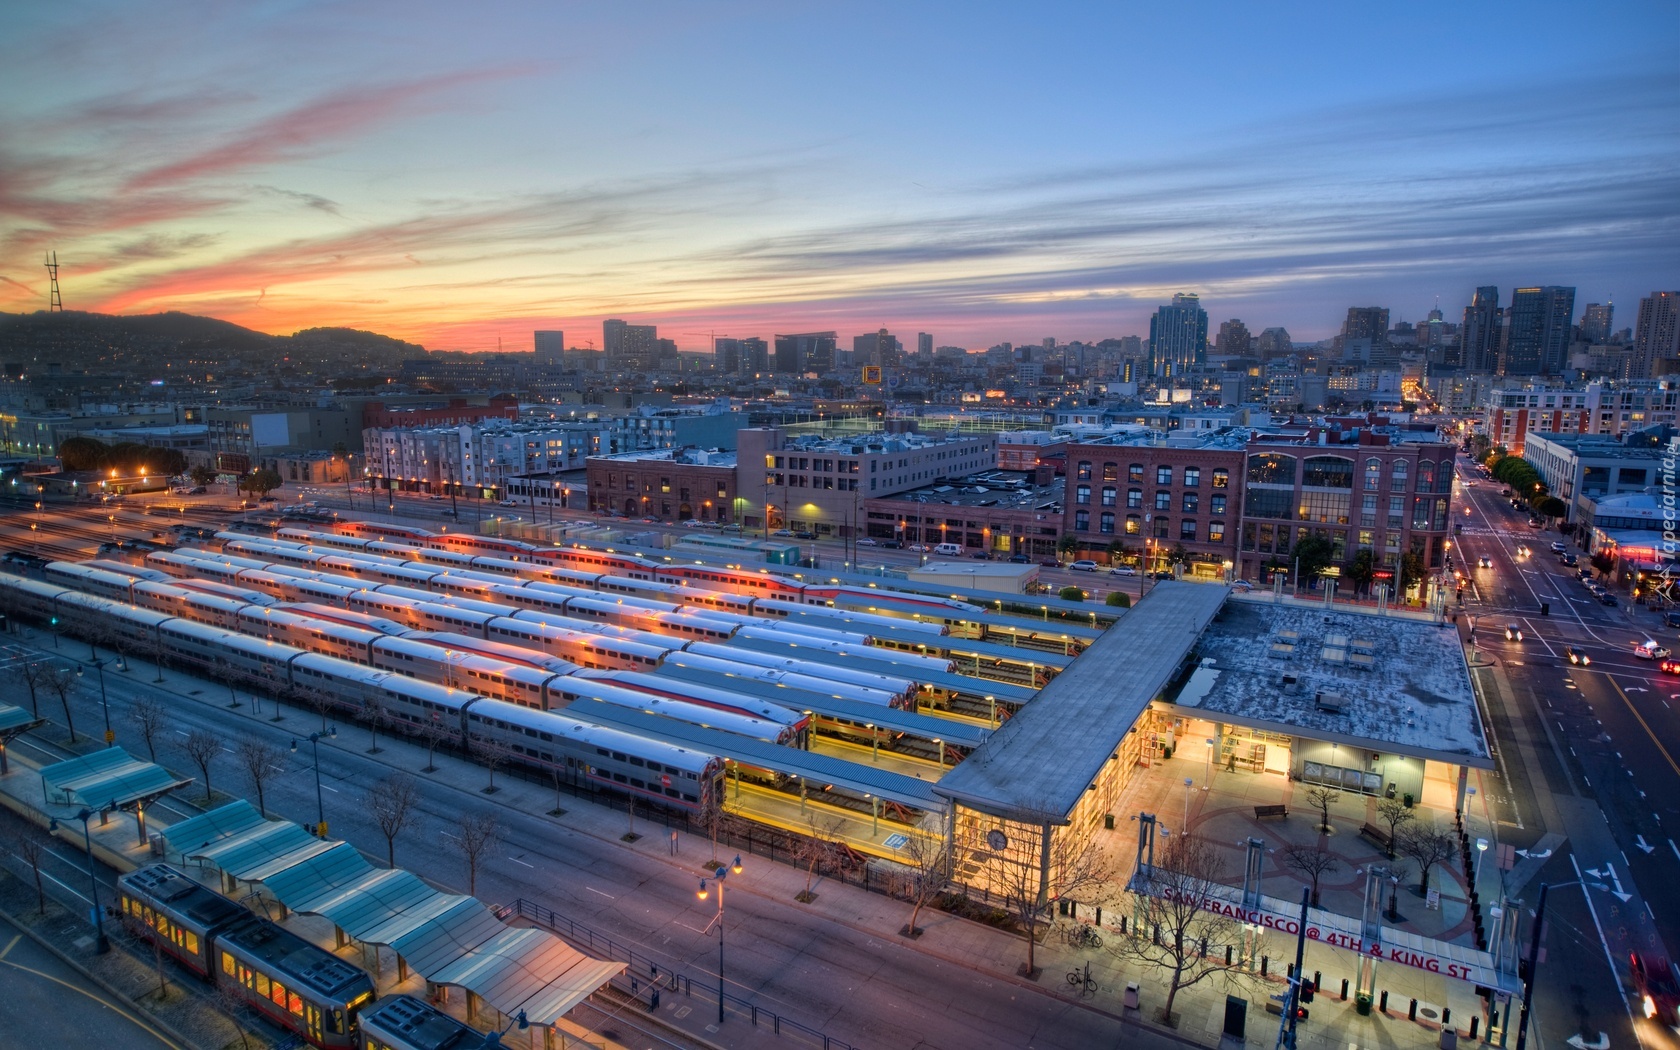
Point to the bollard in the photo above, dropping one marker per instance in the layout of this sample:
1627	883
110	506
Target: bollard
1344	989
1099	915
1446	1016
1384	1006
1411	1015
1263	961
1289	971
1474	1021
1318	979
1227	955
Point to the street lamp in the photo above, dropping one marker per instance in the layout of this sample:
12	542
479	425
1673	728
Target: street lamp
102	945
1189	782
315	747
104	703
719	876
1481	848
1207	772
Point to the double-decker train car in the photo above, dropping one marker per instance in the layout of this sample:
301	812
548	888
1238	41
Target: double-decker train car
302	988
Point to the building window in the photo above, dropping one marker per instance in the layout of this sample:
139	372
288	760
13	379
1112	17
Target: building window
1186	530
1328	472
1105	523
1396	511
1081	521
1216	532
1398	480
1221	478
1192	477
1134	525
1111	472
1190	501
1163	475
1368	511
1216	504
1134	473
1365	539
1163	500
1134	498
1082	494
1084	470
1108	496
1373	474
1426	476
1160	528
1271	469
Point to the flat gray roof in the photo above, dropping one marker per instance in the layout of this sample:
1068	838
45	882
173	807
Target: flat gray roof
1040	761
1381	682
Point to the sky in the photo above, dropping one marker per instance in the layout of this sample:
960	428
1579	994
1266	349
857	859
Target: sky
463	174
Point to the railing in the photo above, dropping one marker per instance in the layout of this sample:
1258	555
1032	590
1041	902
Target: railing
643	972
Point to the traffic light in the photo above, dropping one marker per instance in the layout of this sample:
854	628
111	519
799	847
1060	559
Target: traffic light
1307	990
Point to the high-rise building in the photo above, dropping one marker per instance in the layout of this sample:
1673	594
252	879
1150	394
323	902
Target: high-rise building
1478	339
876	348
1537	330
924	346
1656	338
1595	322
1233	337
726	355
630	347
1366	322
1178	337
551	349
805	352
755	356
1275	342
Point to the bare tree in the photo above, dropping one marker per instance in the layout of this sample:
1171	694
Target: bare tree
374	714
432	734
230	1000
322	701
493	754
1321	798
150	720
817	846
924	855
392	801
27	845
1428	847
476	833
34	674
203	748
1395	813
1016	874
1176	931
61	683
1312	861
259	761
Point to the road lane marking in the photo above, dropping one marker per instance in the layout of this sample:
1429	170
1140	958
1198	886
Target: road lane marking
516	860
8	949
1644	725
603	893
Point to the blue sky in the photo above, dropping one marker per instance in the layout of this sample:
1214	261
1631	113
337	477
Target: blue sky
462	173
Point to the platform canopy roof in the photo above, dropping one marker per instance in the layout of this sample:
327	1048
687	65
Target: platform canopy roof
446	938
14	720
111	777
1035	767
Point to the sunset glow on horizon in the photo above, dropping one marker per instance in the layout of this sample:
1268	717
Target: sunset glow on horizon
456	175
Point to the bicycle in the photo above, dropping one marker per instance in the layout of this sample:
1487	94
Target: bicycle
1080	935
1083	981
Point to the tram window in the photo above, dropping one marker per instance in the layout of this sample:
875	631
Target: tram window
227	964
262	985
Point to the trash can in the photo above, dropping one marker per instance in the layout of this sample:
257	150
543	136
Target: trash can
1108	822
1130	1001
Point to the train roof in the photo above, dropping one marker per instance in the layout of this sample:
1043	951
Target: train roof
420	1026
592	732
173	889
289	955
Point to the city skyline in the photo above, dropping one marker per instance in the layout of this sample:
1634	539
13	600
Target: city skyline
465	181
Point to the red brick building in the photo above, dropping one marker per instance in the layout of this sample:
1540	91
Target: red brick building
669	485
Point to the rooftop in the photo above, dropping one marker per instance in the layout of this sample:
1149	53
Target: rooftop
1003	489
1596	446
1233	438
860	444
1340	676
1038	764
698	457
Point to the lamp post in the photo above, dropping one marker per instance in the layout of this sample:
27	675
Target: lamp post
104	703
719	876
1189	782
102	945
1481	848
1207	772
320	809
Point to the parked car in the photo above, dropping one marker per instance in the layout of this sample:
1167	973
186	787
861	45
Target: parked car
919	548
1558	548
1672	617
981	556
1164	574
782	532
805	535
1122	570
1513	633
508	503
1577	656
867	542
891	545
1083	565
1535	523
1242	585
197	490
732	527
1050	563
1019	559
694	523
1606	598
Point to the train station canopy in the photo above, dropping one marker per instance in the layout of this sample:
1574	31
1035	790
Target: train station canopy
446	938
15	720
1038	763
109	778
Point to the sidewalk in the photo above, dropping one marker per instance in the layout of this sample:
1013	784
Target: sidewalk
1334	1025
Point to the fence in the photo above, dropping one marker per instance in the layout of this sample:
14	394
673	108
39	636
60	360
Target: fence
643	971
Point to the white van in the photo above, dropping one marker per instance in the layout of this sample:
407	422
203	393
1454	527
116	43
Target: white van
953	550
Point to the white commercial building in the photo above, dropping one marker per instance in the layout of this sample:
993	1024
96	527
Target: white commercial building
475	456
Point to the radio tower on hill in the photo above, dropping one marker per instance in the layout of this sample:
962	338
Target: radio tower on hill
55	301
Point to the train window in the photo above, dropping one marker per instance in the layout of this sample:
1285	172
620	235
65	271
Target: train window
261	985
637	783
227	964
620	777
672	792
636	761
690	798
620	756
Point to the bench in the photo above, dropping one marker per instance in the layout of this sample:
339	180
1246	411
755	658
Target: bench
1378	836
1262	812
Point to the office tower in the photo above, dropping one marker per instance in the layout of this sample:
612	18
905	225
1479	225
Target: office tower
924	346
755	356
1366	322
1478	339
1656	339
877	348
630	347
1178	337
551	349
1595	322
726	355
805	352
1275	342
1232	338
1538	322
